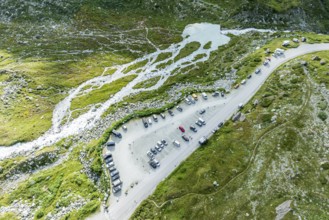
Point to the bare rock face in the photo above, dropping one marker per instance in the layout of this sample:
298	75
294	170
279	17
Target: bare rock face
282	209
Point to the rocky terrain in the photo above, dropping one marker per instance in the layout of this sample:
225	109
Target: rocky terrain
47	48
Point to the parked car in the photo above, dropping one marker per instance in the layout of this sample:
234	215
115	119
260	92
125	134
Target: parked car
202	121
222	94
116	177
162	115
116	189
107	155
202	111
198	123
258	71
154	163
160	144
145	122
164	142
220	124
215	94
193	128
150	154
124	127
236	86
115	172
243	82
202	140
116	182
112	169
185	138
155	118
181	129
240	106
110	143
179	108
195	97
187	101
176	143
158	148
108	160
110	165
150	121
192	100
116	133
265	62
249	76
153	151
204	96
171	112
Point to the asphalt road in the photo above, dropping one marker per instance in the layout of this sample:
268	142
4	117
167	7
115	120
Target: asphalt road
130	153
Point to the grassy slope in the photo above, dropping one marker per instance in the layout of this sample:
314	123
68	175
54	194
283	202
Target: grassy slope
99	95
52	54
148	83
255	169
36	44
61	185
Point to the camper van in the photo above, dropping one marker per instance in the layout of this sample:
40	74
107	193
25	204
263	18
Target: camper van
195	97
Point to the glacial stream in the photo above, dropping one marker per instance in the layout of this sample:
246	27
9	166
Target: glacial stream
62	128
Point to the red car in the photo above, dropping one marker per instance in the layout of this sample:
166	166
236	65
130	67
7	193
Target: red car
181	129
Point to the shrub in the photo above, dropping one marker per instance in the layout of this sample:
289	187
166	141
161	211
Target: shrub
325	166
323	116
322	106
266	102
39	214
266	118
257	60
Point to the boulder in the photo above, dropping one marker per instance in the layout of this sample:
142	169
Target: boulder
316	58
322	62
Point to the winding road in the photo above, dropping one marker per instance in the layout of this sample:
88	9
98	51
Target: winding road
130	152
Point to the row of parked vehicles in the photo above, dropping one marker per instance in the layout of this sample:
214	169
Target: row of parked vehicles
148	121
154	151
257	71
114	173
191	99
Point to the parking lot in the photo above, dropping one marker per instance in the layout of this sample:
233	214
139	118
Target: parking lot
130	154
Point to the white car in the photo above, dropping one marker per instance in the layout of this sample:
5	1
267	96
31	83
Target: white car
176	143
204	96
